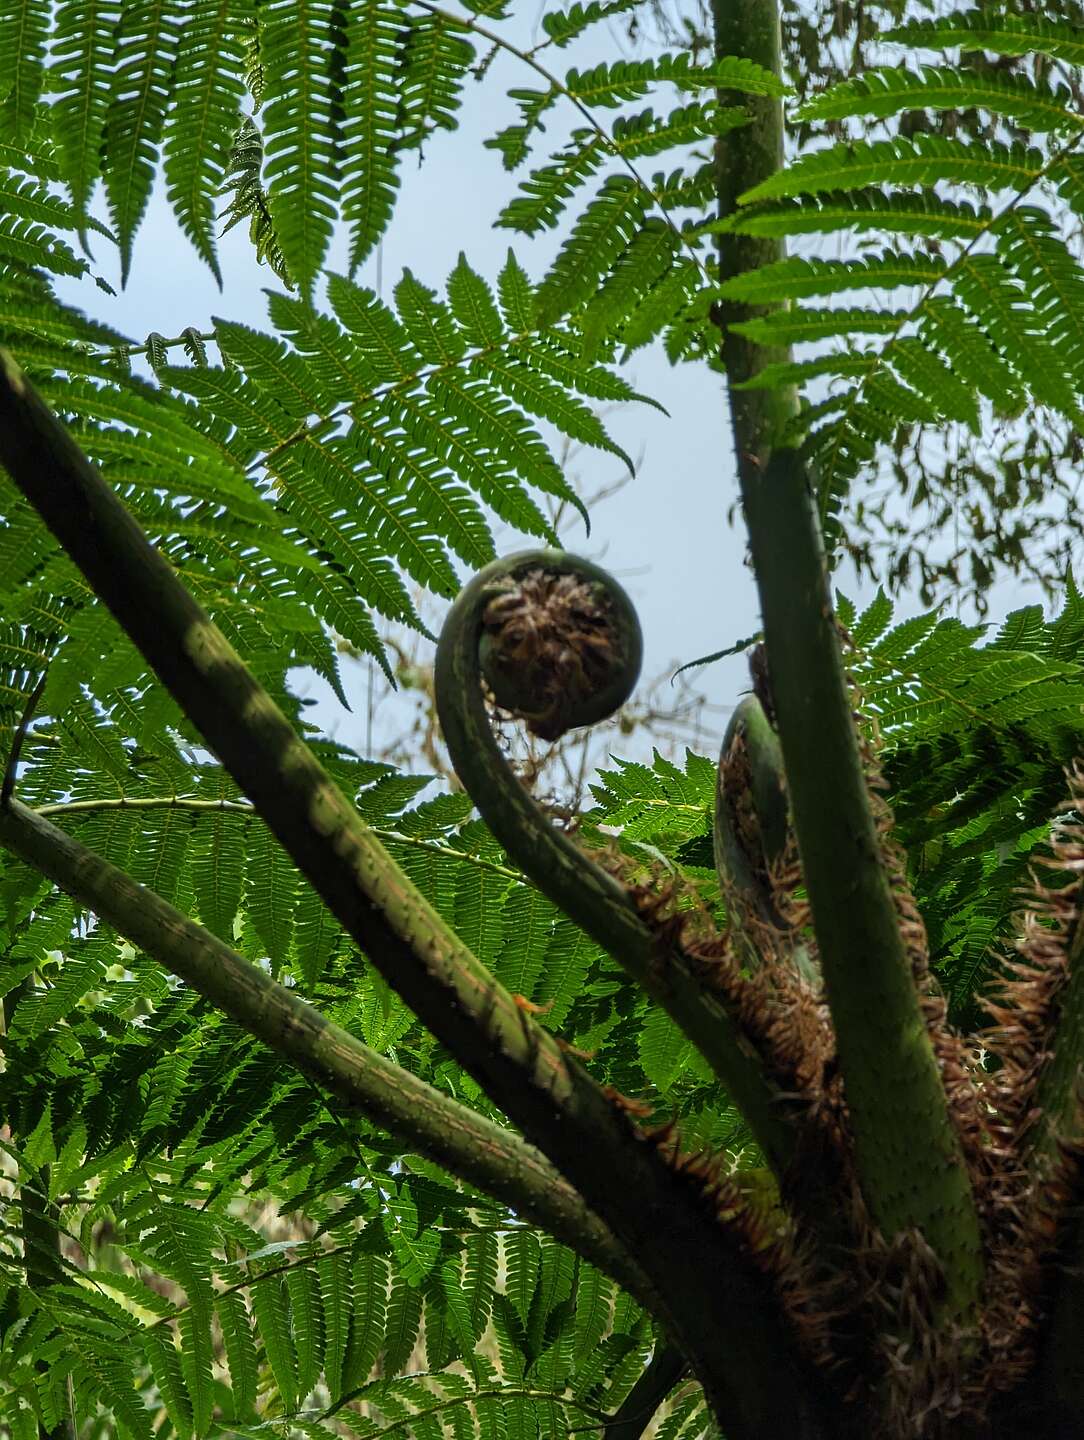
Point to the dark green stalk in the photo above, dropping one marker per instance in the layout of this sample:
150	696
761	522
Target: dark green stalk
637	1410
714	1299
562	870
467	1144
907	1149
908	1155
744	157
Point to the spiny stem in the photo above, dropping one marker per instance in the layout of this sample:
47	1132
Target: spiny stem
585	892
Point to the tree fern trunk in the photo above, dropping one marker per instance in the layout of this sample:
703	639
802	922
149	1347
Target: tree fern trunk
908	1158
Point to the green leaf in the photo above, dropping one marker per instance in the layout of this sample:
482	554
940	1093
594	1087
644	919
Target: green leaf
893	90
368	161
600	235
23	32
201	123
142	92
1001	34
301	46
403	1321
474	307
918	160
564	26
84	61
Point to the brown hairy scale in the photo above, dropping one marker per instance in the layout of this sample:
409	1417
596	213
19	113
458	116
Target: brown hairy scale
1031	1207
877	1326
550	646
865	1308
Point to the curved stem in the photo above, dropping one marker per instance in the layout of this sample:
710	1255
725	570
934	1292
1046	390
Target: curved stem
464	1142
589	896
637	1410
751	834
714	1298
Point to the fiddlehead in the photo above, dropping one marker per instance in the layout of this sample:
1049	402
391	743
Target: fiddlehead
750	812
558	643
755	850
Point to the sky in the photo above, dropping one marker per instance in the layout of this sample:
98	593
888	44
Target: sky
665	535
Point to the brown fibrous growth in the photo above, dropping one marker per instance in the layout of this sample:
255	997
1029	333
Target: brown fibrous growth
551	647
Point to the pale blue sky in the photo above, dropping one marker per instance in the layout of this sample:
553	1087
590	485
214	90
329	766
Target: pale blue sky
665	535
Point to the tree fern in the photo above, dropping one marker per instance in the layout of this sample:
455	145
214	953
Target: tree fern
300	486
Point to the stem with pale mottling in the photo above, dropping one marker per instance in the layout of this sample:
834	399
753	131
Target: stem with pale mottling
907	1151
733	1334
559	867
464	1142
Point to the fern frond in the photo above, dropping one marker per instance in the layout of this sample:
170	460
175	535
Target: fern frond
428	322
29	214
516	295
250	202
801	326
663	304
644	264
201	123
799	372
434	62
862	210
928	373
164	1363
514	141
525	379
474	307
971	353
601	234
515	447
1053	281
893	90
1005	311
611	84
301	45
381	339
547	190
367	158
142	91
24	30
917	160
385	439
1001	34
991	720
797	279
564	26
84	59
633	136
